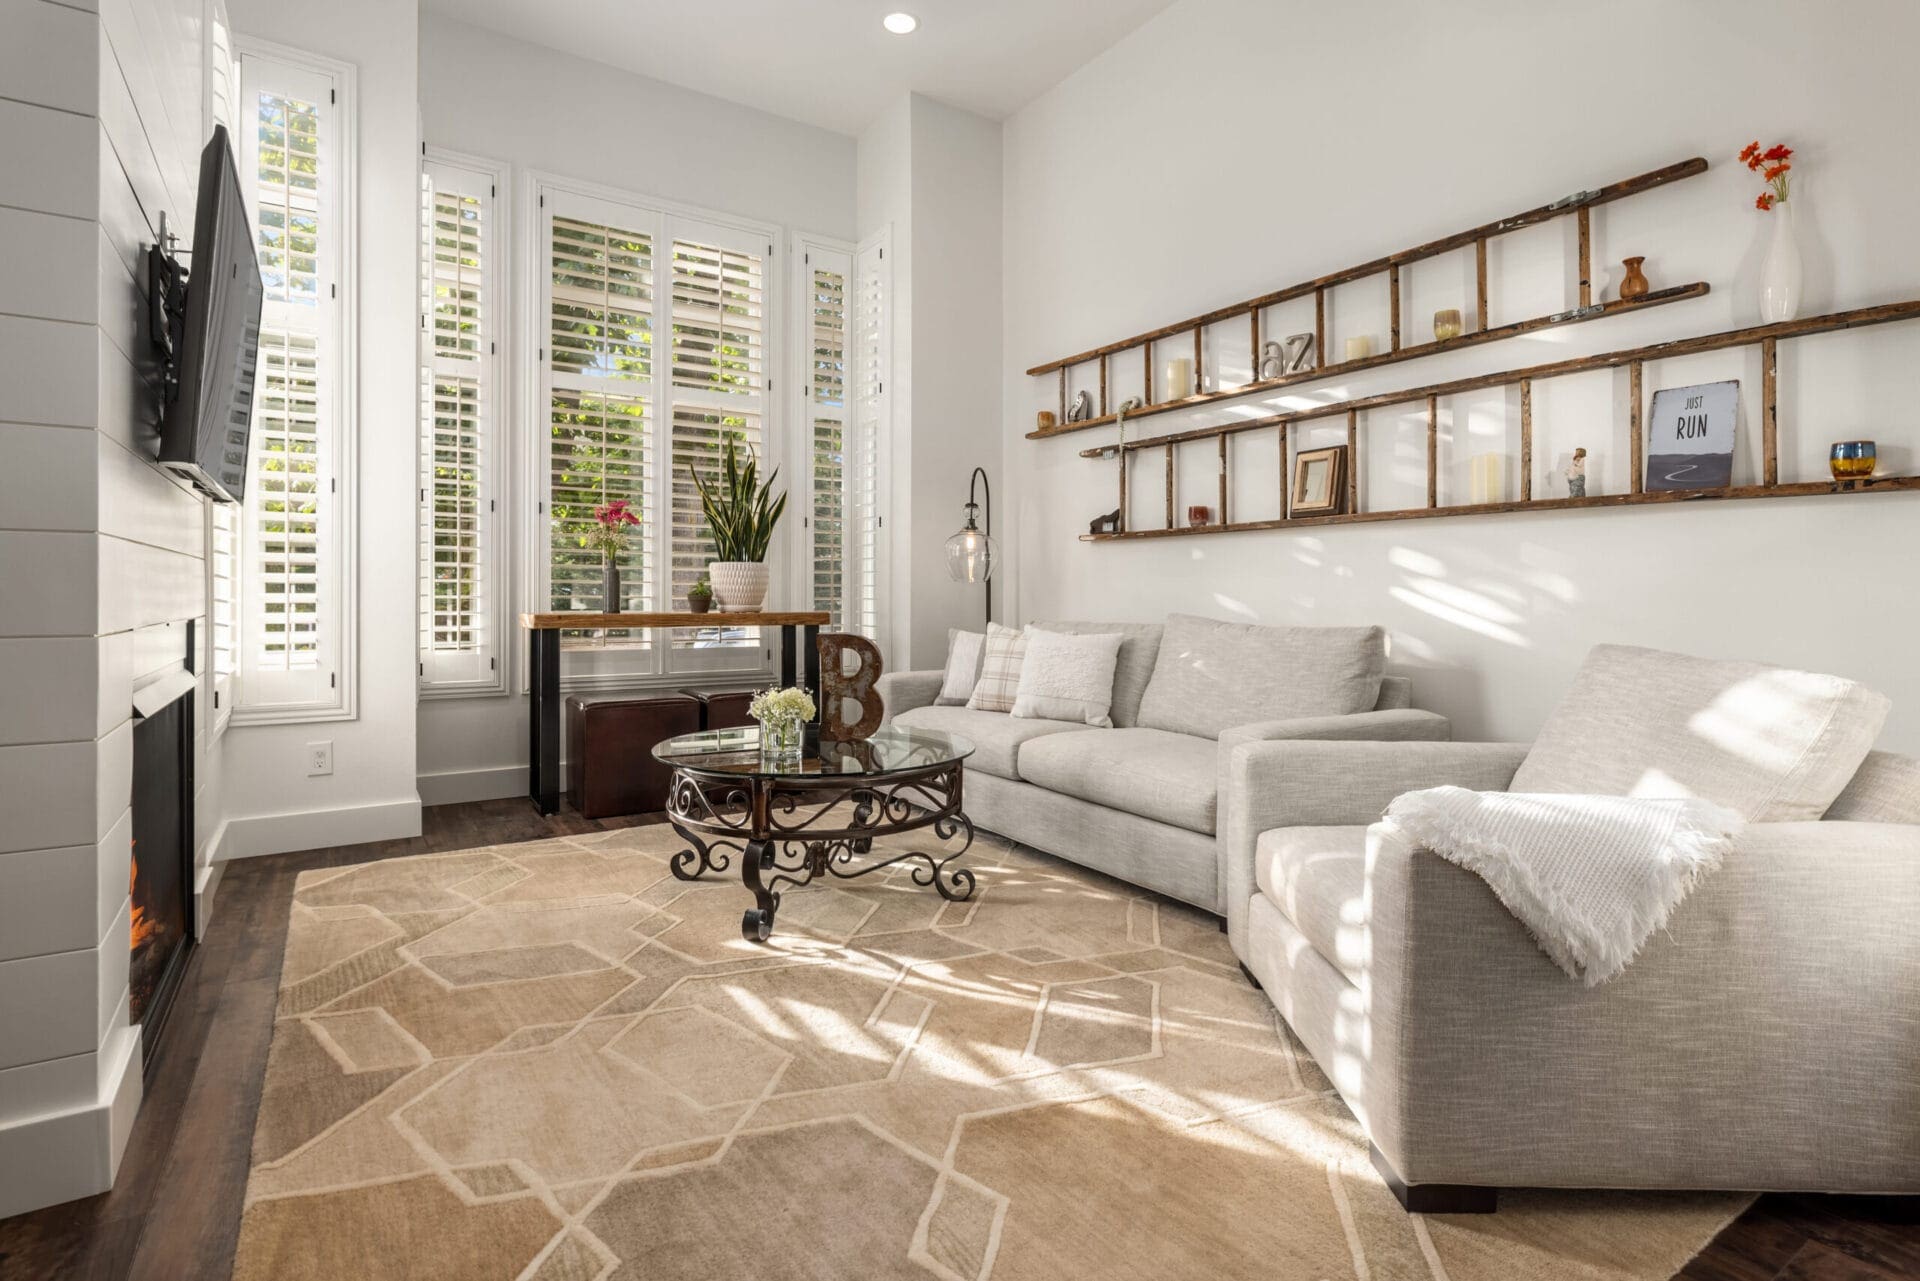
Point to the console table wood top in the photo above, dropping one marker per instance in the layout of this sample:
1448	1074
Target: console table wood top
576	620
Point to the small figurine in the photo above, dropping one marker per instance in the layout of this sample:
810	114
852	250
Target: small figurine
1577	475
1107	524
1130	404
1082	408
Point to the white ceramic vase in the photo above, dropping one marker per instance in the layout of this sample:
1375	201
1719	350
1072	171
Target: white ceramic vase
1780	273
739	586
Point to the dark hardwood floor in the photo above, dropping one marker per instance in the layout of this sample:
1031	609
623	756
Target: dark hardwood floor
174	1212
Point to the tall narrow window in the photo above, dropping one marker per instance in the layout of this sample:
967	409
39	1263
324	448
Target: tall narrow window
459	614
828	302
291	535
865	456
718	395
600	382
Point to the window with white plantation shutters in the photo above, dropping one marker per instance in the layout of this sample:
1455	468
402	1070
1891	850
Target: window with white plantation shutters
459	310
223	604
864	455
599	380
828	302
719	355
291	532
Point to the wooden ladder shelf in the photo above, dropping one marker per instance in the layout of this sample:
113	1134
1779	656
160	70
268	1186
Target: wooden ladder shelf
1579	206
1634	360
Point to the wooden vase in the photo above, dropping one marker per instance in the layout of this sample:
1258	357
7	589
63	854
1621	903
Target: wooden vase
1635	285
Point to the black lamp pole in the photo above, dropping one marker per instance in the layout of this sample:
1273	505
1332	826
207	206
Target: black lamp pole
979	477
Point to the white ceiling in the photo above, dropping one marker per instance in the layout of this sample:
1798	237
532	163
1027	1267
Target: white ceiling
826	62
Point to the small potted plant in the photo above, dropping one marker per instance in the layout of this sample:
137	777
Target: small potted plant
741	515
783	714
608	536
700	597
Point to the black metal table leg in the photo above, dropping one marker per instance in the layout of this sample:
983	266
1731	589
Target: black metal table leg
811	658
756	924
543	719
788	658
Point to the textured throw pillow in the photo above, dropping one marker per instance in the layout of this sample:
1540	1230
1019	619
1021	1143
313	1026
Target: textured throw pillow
1067	678
1210	676
1139	644
999	680
964	652
1770	744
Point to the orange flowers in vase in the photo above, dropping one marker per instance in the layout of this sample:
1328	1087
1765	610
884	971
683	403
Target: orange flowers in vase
1773	164
1780	271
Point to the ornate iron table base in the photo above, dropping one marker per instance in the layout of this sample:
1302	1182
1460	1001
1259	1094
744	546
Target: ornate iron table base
788	830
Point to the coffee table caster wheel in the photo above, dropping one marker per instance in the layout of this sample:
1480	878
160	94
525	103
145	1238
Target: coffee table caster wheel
756	926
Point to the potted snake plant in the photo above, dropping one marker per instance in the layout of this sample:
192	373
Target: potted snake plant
741	513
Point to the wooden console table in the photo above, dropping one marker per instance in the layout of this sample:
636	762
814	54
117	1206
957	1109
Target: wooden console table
543	672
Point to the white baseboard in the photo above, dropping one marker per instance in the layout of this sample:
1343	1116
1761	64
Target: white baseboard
250	836
454	787
206	881
48	1160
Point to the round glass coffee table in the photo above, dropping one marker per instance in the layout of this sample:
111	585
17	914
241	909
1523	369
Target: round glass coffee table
816	813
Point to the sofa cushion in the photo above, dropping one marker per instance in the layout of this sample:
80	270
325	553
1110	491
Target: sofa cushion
1067	677
999	670
1317	877
996	736
1210	676
1139	646
1170	778
965	652
1771	744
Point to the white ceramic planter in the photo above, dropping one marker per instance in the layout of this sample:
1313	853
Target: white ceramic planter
738	585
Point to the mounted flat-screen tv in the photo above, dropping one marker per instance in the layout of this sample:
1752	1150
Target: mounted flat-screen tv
206	430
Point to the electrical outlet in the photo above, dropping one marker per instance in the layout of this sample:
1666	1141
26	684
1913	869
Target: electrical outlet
319	758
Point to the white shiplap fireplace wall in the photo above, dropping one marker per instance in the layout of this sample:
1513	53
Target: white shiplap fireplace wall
104	106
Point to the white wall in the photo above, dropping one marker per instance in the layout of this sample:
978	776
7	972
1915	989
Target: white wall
1233	146
102	556
370	795
488	95
931	174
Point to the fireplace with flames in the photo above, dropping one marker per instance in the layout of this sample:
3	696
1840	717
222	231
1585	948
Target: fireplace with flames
161	867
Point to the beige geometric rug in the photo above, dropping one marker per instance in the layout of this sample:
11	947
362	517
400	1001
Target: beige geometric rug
554	1061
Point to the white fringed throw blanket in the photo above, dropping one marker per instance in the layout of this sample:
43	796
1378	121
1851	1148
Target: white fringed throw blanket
1591	877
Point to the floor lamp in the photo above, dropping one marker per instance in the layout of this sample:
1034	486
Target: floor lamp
970	553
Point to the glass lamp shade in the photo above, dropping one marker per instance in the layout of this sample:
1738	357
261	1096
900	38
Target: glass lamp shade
970	556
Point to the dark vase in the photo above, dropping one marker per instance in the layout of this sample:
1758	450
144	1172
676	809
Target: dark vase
609	587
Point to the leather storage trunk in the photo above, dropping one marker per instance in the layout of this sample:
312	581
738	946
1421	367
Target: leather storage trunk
722	710
610	741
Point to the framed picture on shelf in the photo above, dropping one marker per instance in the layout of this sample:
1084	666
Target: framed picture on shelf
1690	433
1319	481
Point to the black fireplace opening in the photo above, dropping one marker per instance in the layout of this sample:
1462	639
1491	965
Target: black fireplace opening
161	875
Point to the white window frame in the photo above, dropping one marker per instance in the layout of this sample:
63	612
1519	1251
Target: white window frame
489	180
257	702
658	663
803	248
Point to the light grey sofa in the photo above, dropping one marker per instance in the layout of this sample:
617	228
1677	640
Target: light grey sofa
1769	1038
1136	802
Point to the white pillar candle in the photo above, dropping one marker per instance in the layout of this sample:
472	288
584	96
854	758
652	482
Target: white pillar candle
1487	482
1359	348
1179	377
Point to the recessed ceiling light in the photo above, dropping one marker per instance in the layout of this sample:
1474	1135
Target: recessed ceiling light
900	23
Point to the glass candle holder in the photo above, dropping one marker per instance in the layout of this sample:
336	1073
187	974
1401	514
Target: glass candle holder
1852	459
1446	324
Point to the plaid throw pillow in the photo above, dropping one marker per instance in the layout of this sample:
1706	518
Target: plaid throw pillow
1000	670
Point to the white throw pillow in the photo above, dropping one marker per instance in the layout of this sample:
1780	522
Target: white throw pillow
965	650
999	670
1067	677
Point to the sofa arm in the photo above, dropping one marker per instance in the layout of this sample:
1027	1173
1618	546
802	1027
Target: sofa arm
1292	783
1400	724
904	691
1764	1039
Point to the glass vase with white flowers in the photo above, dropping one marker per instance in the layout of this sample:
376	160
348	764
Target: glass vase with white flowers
783	715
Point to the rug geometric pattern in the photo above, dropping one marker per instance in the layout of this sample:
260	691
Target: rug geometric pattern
554	1061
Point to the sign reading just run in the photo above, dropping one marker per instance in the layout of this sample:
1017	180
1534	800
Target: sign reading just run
1690	436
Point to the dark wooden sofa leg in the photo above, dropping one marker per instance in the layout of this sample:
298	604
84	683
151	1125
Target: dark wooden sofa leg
1435	1198
1249	973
